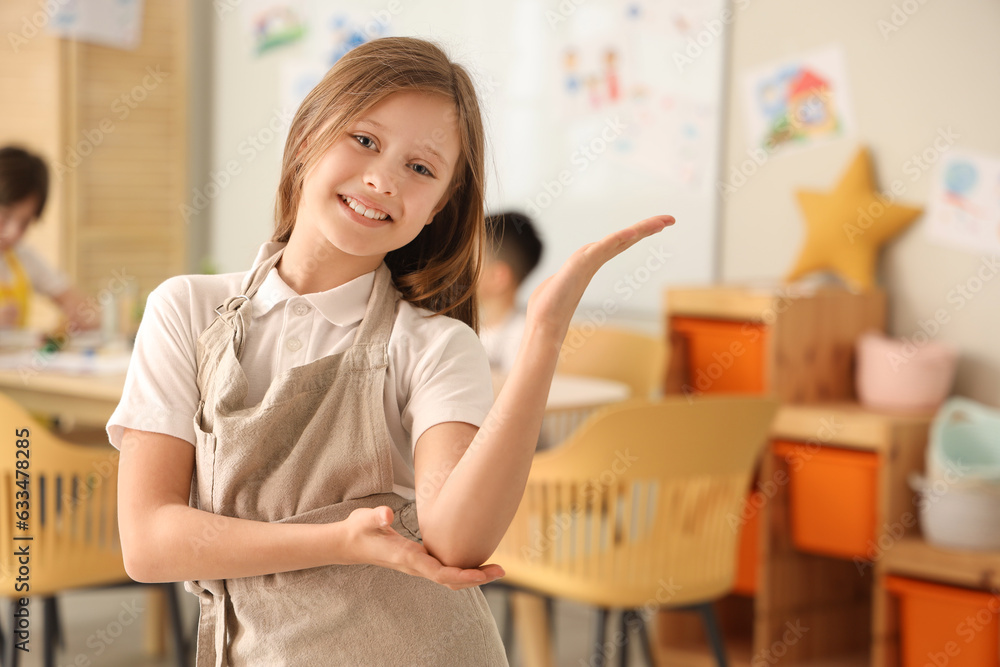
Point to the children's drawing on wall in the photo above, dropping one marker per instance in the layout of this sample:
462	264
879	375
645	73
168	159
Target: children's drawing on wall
273	23
116	23
964	206
798	103
621	99
591	78
340	30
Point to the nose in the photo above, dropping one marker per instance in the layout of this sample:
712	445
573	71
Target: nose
379	178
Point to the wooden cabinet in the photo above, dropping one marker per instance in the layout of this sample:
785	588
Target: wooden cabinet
113	125
905	553
808	608
795	344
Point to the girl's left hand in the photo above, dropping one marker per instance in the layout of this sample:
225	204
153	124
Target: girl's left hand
374	541
553	302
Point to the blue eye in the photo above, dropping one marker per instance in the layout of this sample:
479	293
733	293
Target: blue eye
422	170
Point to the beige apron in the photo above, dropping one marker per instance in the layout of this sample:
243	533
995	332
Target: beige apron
315	449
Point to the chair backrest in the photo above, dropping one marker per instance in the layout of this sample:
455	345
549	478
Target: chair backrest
634	358
641	504
71	510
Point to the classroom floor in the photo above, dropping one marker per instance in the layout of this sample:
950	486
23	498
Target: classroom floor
96	635
91	619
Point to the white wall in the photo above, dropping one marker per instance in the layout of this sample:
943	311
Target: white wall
939	70
512	50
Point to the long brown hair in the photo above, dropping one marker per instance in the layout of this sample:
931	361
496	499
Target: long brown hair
438	270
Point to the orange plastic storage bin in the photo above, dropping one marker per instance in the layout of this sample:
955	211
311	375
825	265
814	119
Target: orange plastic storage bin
943	625
833	498
724	356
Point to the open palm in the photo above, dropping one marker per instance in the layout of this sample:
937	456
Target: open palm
554	301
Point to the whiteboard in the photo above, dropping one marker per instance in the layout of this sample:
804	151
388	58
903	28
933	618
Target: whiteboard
598	113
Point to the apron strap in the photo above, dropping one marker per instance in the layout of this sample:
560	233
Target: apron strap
236	311
235	314
212	635
380	315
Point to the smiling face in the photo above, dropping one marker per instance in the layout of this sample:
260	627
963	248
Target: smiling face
14	220
383	179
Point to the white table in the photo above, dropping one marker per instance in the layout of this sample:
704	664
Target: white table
80	390
572	398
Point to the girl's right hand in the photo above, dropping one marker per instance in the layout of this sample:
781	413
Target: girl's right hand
375	542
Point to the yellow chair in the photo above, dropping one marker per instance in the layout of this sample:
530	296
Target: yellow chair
634	511
633	358
59	503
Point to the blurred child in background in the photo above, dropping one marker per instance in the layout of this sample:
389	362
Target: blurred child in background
513	251
24	189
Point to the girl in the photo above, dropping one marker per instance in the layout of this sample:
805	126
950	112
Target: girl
334	393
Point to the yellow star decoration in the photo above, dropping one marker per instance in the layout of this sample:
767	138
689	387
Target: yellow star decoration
846	228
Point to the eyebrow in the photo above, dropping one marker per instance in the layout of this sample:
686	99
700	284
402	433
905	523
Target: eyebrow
427	147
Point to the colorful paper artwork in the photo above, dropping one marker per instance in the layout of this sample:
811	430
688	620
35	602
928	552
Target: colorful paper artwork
799	103
964	206
272	24
615	60
116	23
340	31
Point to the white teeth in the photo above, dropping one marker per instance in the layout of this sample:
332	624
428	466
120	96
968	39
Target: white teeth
360	209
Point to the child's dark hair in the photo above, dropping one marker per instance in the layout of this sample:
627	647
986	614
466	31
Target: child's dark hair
514	241
22	175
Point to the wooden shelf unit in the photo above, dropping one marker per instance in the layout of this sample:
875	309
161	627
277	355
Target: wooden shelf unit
909	555
831	597
802	338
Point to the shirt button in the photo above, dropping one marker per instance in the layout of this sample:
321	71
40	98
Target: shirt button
293	344
301	309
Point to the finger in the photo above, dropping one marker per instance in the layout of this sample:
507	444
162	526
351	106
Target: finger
430	568
599	252
382	517
625	238
492	570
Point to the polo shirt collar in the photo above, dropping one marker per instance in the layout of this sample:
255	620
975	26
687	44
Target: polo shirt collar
342	306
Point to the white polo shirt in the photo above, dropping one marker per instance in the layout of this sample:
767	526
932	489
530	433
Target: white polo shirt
438	371
502	342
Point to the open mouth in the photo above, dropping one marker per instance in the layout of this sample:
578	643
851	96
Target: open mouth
361	209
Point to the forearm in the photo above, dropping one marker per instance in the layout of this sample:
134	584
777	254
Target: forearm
179	543
163	539
477	501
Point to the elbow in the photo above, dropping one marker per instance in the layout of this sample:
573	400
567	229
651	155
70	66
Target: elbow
142	558
459	556
453	548
145	568
138	567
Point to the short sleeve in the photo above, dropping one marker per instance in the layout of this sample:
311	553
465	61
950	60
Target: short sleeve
450	381
44	279
161	392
